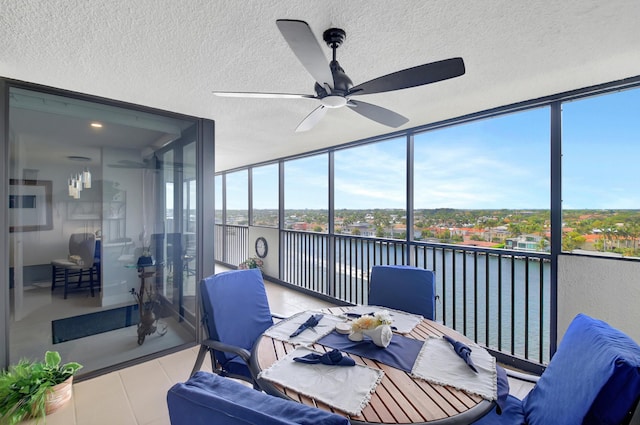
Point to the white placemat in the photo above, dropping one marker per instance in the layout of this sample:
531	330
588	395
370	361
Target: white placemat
438	363
283	329
347	388
402	321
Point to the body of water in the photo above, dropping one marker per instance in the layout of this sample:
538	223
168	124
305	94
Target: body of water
499	300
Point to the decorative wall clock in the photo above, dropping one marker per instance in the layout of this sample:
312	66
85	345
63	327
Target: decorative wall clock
261	247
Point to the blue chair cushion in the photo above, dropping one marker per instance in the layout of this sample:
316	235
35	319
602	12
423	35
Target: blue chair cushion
210	399
405	288
592	378
241	313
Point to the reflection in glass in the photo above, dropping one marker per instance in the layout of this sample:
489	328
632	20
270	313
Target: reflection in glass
119	212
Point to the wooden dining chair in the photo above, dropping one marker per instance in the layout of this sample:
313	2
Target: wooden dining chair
235	314
404	288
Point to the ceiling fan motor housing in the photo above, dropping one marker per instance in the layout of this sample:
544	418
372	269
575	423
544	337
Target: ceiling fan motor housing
334	37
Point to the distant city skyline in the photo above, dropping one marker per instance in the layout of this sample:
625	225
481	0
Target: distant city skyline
495	163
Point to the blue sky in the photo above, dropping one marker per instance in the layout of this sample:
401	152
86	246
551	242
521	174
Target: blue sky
496	163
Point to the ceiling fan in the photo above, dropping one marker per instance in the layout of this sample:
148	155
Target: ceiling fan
334	88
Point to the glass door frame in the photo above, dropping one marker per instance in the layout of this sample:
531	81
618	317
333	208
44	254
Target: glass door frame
205	177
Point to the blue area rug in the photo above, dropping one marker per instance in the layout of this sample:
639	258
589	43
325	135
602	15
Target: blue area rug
76	327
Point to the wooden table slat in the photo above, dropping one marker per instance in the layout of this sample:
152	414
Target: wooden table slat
386	405
443	397
406	386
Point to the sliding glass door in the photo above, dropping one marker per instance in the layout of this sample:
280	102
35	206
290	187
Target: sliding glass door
101	229
174	236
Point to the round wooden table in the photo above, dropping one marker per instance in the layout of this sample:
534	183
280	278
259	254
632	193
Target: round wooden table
399	398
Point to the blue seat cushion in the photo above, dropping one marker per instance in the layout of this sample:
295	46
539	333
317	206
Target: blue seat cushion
404	288
592	378
210	399
236	308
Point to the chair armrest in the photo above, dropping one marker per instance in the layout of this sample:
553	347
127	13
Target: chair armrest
239	351
522	376
278	316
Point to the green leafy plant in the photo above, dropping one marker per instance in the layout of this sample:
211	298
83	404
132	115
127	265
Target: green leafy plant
24	386
251	263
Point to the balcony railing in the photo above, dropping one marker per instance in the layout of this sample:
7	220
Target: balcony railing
499	298
231	243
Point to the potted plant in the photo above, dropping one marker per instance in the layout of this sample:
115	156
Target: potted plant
376	326
33	389
251	263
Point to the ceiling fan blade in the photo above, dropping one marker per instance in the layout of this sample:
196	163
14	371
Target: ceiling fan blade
378	113
312	119
306	47
412	77
263	95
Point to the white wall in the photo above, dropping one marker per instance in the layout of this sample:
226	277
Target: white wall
118	275
604	288
273	243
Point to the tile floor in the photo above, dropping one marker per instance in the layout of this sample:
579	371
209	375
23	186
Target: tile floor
137	395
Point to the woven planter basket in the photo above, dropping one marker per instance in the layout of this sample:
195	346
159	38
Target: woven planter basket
59	395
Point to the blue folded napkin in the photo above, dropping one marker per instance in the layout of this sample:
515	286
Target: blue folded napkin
331	358
310	323
463	351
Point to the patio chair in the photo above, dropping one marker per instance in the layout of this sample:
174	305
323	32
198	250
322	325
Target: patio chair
405	288
235	313
593	378
80	263
209	399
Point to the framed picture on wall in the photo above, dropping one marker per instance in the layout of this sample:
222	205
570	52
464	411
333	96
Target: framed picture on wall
30	205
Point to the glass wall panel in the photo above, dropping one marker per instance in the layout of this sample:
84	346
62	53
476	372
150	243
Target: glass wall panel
219	220
265	195
90	192
485	183
370	190
218	199
600	151
306	196
238	198
237	216
187	299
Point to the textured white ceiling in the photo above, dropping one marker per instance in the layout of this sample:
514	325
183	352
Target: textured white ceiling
170	54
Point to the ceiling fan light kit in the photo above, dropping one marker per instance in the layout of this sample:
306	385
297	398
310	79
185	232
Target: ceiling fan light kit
334	89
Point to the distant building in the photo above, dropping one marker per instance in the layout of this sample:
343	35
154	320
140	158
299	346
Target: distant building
300	225
360	229
527	243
